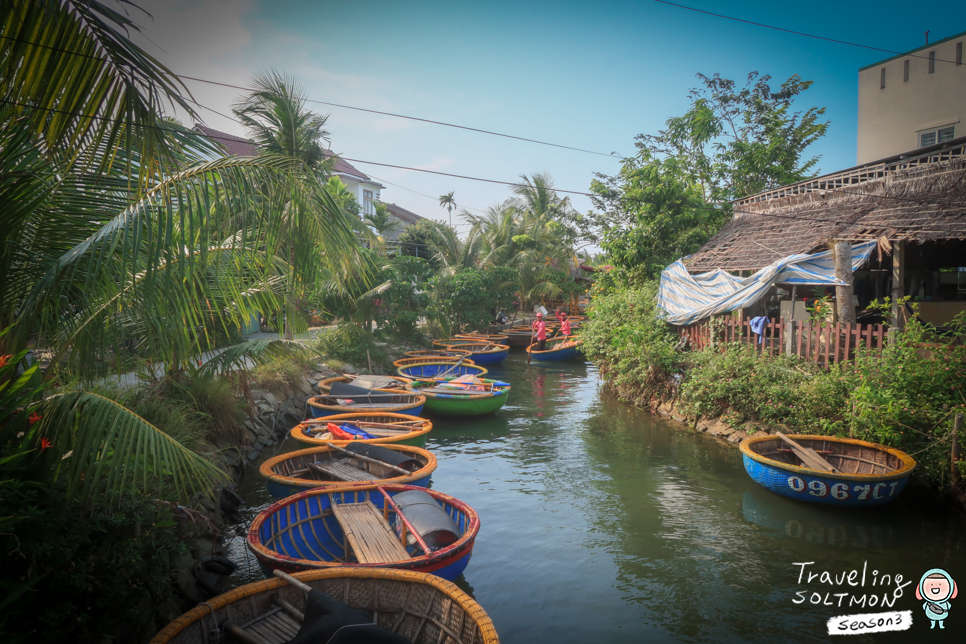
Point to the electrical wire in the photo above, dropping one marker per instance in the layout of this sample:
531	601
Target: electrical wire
612	155
801	33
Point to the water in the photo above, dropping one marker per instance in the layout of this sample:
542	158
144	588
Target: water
601	523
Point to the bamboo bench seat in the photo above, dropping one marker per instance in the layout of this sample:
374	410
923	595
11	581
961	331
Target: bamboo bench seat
371	537
341	471
274	627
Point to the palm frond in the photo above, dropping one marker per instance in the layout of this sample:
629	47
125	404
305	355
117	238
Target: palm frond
248	354
99	447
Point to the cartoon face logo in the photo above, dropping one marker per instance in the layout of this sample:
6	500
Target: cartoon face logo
936	589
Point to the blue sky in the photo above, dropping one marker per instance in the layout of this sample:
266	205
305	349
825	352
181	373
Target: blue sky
587	75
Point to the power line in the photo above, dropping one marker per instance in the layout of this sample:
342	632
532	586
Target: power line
225	138
612	155
799	33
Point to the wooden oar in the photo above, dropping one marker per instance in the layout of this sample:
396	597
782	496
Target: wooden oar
455	366
808	455
369	460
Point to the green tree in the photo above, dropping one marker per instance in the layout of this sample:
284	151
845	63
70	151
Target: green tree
382	220
417	240
342	196
674	193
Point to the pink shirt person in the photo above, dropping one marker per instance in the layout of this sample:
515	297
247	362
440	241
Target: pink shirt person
541	328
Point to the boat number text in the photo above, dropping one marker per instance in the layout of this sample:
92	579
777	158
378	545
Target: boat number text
841	491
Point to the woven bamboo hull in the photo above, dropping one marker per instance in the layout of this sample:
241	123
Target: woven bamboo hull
405	362
325	385
442	352
431	369
554	354
281	480
428	610
869	474
316	538
440	405
408	405
416	438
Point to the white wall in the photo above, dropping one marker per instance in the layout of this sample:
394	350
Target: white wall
357	188
891	118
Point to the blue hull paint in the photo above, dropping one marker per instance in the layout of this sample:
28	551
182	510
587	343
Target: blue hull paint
433	370
322	413
490	358
820	489
557	356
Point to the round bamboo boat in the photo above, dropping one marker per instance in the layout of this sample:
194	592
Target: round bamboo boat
518	339
482	353
393	383
305	532
383	400
423	608
437	353
288	474
495	338
431	370
864	473
555	352
412	429
444	403
405	362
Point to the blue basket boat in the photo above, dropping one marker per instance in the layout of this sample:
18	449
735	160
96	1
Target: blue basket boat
355	526
376	401
430	369
864	473
484	353
555	352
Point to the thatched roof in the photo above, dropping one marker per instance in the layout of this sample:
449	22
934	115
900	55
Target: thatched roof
919	196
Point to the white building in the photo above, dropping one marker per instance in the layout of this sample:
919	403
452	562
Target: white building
913	100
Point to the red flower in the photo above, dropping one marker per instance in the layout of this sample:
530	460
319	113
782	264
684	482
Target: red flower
4	359
35	417
44	444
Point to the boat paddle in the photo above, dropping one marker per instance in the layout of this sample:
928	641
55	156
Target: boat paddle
458	363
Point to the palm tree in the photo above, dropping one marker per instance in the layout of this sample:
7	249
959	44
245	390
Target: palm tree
382	220
277	118
116	228
447	201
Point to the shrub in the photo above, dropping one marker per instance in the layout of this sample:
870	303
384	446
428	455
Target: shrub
350	343
470	298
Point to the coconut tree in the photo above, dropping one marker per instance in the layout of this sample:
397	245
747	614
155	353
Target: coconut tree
446	201
114	226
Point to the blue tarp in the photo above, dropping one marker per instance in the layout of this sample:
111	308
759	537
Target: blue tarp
687	298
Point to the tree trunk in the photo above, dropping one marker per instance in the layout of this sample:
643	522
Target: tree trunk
844	295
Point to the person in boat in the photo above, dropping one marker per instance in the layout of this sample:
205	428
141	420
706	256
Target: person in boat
935	589
501	317
540	332
564	323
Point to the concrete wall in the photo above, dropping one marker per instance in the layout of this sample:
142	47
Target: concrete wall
357	188
892	118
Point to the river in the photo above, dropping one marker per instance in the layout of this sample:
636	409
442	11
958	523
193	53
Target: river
602	523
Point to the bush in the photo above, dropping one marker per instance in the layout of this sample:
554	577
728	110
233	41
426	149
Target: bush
85	572
350	343
632	347
470	298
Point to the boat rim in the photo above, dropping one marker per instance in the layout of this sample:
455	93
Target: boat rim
483	370
311	402
504	390
298	434
908	462
265	469
451	590
253	541
577	343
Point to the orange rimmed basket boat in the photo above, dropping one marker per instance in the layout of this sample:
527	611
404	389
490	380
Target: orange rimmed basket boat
495	338
424	608
441	352
393	383
399	429
288	474
482	353
405	362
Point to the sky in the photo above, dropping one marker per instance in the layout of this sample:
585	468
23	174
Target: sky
579	74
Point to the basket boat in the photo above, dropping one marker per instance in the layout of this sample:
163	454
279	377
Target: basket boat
432	369
350	527
370	382
482	353
381	400
866	473
495	338
421	607
398	429
441	352
330	466
445	402
555	352
405	362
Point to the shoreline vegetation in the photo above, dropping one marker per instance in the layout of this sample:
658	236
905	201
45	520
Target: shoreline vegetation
903	396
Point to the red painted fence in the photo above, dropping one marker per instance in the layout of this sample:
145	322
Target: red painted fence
824	343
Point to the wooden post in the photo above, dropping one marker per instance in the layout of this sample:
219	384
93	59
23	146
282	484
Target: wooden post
844	295
898	281
789	337
954	471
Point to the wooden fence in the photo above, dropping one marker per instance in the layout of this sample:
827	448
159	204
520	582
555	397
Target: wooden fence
821	342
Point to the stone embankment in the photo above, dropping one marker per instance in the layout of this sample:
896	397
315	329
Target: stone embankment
715	428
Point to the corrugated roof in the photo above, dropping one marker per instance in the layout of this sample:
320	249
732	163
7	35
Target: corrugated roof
920	198
401	213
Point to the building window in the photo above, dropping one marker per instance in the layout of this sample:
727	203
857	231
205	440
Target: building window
367	207
905	71
937	136
882	78
959	53
932	62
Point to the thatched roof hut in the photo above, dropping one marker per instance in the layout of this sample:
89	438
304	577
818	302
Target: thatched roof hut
917	197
